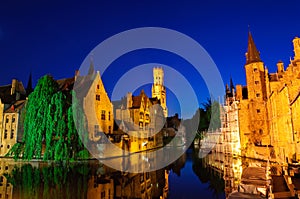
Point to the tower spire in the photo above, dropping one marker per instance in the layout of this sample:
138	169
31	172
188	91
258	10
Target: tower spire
252	54
231	85
29	88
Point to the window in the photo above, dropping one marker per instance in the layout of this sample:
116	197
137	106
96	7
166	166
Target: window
5	134
98	86
255	69
7	120
142	178
141	115
12	134
256	82
109	115
103	194
257	95
103	115
109	129
8	146
141	125
13	119
98	97
258	110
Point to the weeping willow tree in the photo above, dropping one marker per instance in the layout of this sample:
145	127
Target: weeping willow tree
49	125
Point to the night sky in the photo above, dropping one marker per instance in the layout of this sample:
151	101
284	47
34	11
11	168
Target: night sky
55	37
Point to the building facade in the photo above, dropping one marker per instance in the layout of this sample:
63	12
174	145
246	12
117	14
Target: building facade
268	107
12	101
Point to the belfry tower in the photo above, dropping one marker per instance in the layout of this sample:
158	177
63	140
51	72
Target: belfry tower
158	88
256	76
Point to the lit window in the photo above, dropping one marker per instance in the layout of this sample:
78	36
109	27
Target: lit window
103	194
103	115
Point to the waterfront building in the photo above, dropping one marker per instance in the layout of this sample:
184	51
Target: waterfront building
230	123
12	101
268	108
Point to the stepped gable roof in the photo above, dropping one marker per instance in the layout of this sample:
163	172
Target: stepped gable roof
295	99
83	85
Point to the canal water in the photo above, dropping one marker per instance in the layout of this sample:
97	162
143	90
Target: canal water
214	176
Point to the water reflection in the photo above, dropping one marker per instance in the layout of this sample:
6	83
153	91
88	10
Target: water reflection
80	180
223	166
216	175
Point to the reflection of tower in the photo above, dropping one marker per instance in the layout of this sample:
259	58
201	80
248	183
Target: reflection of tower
158	88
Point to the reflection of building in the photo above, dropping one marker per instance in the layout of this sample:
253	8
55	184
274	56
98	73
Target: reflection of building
129	185
268	107
100	188
6	188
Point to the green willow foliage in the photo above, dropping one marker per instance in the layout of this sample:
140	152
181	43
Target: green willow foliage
49	126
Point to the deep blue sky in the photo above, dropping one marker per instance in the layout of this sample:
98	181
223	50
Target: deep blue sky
55	37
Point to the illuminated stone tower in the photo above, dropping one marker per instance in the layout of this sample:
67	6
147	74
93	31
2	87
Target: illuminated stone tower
158	88
256	76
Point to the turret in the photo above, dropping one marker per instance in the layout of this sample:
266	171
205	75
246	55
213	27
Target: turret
280	67
296	43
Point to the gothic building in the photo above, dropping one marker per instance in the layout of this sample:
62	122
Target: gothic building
268	107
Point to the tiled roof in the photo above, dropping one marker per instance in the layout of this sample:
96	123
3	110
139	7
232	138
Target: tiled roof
66	83
5	93
15	107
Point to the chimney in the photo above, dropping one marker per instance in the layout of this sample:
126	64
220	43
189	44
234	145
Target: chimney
280	67
76	74
129	100
296	43
13	86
